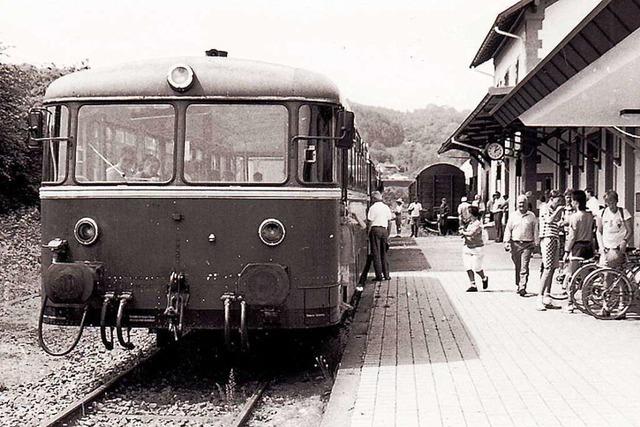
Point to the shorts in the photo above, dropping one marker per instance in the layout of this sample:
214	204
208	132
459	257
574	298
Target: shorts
613	258
581	251
549	248
472	258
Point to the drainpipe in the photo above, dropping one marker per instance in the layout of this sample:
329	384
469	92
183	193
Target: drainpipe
504	33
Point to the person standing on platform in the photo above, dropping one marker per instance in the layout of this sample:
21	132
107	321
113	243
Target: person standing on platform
398	213
614	231
592	202
497	209
463	211
521	237
443	213
550	223
379	218
477	201
414	213
579	244
472	251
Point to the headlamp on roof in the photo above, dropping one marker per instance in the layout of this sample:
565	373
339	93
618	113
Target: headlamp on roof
180	77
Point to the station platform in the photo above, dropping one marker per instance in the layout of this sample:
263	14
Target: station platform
423	352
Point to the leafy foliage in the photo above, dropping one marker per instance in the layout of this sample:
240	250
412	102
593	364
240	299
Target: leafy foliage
21	87
409	139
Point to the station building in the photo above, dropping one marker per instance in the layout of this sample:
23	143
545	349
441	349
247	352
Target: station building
564	108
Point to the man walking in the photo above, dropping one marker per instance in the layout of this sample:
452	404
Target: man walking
521	236
379	217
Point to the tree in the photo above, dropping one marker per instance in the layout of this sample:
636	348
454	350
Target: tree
21	87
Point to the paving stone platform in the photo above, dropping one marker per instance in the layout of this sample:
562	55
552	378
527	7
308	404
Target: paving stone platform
423	352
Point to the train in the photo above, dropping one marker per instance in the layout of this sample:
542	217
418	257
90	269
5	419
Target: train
431	185
205	193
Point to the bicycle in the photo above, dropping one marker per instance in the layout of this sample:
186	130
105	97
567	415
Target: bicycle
607	293
574	288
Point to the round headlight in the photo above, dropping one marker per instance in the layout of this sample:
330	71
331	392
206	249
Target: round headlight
180	77
86	231
271	232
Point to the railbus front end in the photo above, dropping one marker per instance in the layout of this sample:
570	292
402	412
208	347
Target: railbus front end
199	193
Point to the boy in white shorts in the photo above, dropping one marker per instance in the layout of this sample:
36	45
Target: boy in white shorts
473	249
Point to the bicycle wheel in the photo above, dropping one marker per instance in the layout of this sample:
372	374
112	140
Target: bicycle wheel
607	293
576	282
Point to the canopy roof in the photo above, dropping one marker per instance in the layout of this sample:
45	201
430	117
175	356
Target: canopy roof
479	127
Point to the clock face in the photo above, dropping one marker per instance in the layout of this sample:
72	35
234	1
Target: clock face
495	151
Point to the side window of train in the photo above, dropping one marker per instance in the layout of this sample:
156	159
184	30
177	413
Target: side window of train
316	157
125	144
234	143
55	152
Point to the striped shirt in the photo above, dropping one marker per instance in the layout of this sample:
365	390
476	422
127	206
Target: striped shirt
549	225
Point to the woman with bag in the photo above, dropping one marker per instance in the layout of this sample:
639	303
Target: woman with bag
473	249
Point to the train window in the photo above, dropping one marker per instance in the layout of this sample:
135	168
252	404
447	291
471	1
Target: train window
316	156
55	152
125	143
236	143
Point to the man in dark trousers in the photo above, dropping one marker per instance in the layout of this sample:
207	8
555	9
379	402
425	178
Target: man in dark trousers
379	219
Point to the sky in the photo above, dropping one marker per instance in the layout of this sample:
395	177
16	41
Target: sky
400	54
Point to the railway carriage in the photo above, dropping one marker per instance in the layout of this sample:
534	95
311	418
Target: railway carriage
435	182
199	193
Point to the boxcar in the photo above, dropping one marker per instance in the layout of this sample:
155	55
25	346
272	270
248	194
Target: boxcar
199	193
437	181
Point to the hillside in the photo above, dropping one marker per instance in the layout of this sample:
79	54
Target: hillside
409	139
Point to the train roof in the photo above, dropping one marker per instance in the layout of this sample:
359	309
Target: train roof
440	164
213	77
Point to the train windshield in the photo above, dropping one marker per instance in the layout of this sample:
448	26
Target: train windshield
233	143
125	144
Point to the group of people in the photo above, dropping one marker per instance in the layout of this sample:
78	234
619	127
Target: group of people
571	228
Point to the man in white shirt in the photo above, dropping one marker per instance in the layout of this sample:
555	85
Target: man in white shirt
463	211
379	217
592	202
414	212
614	231
520	237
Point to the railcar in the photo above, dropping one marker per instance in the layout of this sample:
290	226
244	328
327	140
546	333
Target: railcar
199	193
435	182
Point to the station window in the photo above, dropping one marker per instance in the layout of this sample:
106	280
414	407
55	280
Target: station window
316	156
240	144
55	152
125	144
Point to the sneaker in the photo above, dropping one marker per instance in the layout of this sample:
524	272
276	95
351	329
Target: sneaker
485	282
522	292
472	288
540	306
387	278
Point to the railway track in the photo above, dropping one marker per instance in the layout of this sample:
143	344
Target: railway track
77	408
88	405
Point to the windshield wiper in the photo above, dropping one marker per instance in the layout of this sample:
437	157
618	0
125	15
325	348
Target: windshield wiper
104	159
